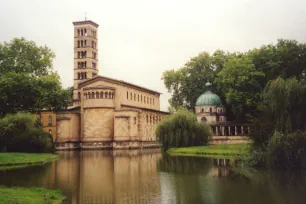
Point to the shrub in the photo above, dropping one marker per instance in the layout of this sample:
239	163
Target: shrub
181	130
287	151
18	133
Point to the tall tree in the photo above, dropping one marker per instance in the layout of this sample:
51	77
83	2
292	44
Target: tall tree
188	83
27	81
22	56
242	85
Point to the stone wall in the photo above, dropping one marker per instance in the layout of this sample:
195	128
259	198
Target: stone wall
98	124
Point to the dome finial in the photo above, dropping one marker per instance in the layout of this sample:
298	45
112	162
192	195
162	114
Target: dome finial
209	86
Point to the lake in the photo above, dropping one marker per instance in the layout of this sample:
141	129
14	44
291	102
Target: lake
147	176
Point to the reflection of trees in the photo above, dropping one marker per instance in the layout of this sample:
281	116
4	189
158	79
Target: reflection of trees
184	164
186	176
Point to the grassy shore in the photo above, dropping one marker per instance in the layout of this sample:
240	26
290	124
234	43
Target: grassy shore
30	195
23	159
224	150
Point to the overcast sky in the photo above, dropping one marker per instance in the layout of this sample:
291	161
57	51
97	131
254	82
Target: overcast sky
140	39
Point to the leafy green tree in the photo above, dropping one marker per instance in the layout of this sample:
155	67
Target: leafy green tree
23	92
181	130
286	58
188	83
242	85
22	56
19	134
27	82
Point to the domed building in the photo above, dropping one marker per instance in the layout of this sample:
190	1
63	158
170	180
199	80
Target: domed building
209	108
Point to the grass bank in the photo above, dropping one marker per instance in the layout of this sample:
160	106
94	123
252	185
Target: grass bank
10	160
30	195
224	150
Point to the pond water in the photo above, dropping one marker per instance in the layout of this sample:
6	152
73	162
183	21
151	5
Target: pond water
147	176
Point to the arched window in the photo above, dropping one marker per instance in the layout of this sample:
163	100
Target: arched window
92	95
50	132
85	72
134	97
210	109
101	95
147	119
85	65
127	95
202	110
92	44
50	121
85	95
81	43
85	42
135	120
79	76
131	96
150	100
106	95
89	95
78	43
153	101
79	54
203	120
138	97
141	99
97	95
150	119
82	32
79	95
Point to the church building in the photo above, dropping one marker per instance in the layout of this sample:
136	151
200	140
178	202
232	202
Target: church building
107	113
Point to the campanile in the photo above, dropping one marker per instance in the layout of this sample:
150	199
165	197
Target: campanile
85	54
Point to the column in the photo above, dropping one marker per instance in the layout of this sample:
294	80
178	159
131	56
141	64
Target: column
236	133
223	130
242	133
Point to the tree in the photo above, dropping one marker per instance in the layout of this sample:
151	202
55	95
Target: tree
188	83
23	92
27	82
181	130
22	56
19	134
242	85
287	58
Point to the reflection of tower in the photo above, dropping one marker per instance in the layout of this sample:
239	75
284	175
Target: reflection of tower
85	54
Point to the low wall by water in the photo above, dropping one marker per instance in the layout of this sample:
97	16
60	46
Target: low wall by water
106	145
228	139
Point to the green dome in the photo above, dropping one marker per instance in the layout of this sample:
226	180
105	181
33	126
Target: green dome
208	99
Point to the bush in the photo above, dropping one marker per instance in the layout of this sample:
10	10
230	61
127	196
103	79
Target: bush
181	130
18	133
287	151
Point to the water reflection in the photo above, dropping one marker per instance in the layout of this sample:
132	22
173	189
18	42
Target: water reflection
146	176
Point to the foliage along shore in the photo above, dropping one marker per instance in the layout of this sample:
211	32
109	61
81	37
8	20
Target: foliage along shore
219	150
30	195
21	159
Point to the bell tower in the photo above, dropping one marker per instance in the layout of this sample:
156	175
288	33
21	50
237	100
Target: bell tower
85	54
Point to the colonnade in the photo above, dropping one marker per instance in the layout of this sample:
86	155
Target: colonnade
230	130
